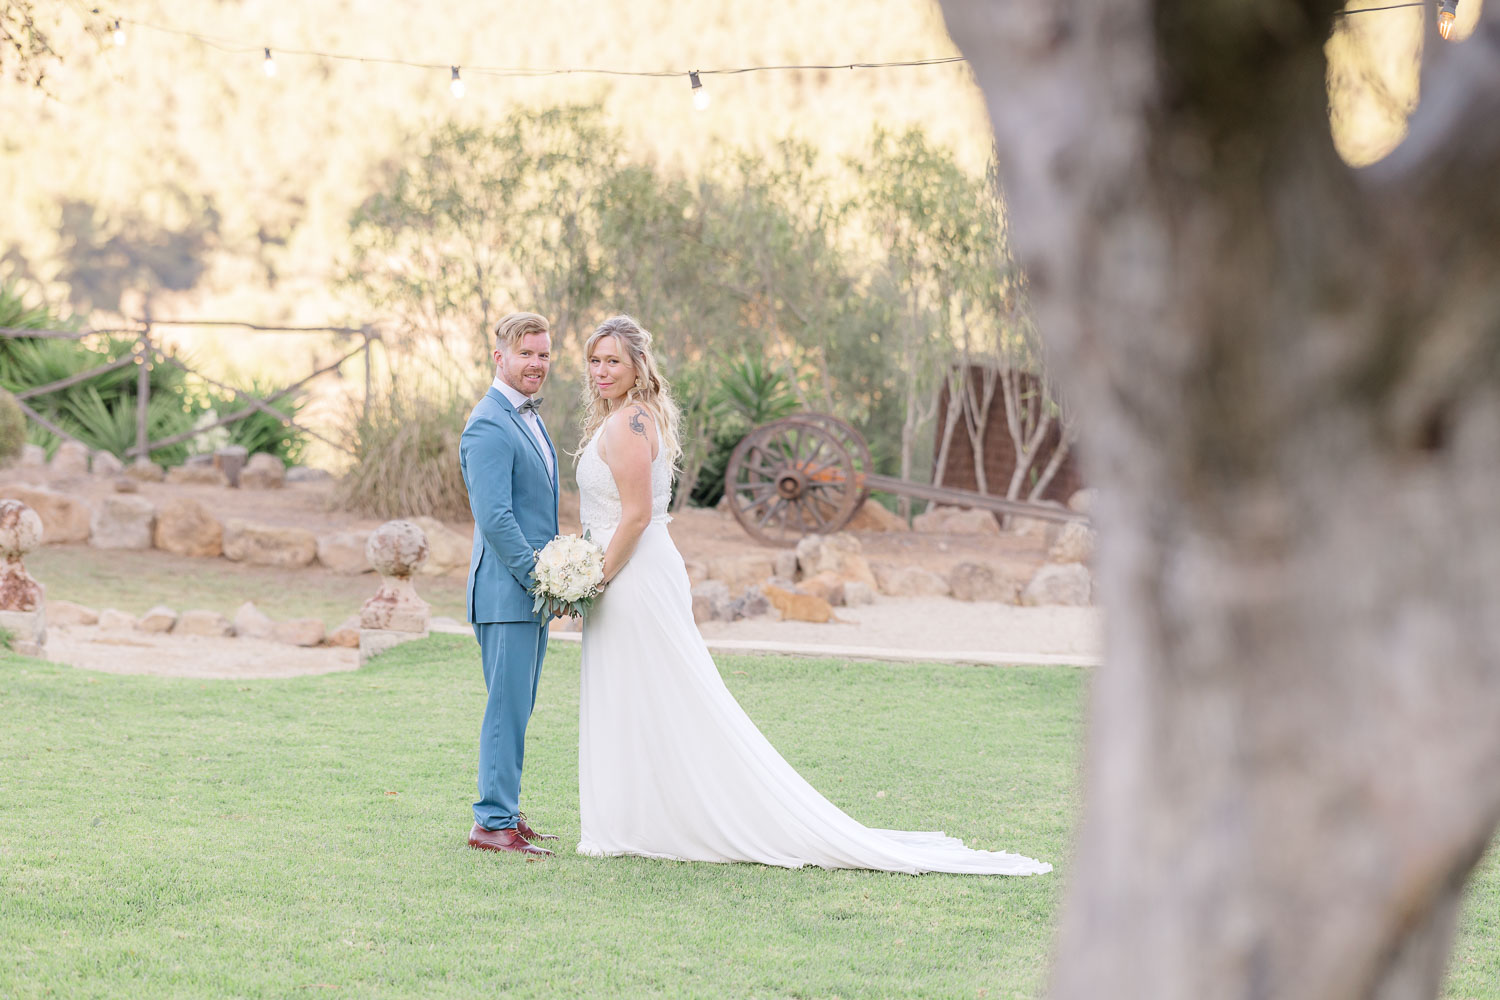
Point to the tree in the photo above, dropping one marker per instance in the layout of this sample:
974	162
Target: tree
1288	375
108	261
25	48
486	220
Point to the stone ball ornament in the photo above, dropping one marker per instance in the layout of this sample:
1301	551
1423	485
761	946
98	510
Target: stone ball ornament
20	529
397	548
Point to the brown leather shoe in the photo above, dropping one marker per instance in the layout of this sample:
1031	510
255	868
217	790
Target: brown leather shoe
525	830
503	840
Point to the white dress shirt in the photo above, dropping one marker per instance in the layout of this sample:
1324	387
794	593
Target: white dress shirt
531	420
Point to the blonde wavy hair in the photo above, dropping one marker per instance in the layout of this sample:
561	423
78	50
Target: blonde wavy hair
650	390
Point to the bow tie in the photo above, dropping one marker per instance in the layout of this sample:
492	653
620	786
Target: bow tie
534	404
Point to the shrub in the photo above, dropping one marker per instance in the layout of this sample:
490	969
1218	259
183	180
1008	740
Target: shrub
261	432
12	427
406	455
749	393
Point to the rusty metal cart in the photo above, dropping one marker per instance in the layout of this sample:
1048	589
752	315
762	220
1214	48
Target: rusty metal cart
808	475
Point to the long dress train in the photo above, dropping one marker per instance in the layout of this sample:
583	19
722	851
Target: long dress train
670	766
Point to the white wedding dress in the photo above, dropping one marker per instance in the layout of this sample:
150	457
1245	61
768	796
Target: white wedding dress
670	766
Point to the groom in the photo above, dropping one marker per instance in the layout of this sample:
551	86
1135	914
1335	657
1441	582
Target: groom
510	469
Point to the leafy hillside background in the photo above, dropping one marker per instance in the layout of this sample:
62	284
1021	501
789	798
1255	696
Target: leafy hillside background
236	192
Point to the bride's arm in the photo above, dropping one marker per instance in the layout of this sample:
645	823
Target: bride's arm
627	451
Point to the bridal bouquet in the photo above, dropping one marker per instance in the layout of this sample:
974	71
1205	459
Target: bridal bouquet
569	575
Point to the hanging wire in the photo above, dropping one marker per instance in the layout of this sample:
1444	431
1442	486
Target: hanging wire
233	46
229	45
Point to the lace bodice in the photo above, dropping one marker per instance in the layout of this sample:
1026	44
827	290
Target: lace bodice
599	498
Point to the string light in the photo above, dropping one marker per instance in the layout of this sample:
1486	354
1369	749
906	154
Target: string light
1447	11
232	45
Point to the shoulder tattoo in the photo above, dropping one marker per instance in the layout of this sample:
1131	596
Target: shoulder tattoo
636	424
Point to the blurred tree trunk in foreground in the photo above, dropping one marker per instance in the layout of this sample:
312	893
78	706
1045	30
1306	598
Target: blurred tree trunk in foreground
1288	374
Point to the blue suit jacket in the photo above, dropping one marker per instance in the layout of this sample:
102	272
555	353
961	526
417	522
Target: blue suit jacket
514	503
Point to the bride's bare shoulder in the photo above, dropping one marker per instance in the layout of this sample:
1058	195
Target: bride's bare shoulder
630	424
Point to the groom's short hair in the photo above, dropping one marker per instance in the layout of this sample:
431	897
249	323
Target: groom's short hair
510	329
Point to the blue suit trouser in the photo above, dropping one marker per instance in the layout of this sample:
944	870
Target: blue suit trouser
512	654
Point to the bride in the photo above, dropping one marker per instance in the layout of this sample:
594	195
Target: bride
669	765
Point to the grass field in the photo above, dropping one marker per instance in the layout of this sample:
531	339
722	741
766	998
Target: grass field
301	838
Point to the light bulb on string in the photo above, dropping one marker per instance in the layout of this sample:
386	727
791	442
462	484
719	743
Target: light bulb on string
700	96
1447	11
269	64
455	84
117	34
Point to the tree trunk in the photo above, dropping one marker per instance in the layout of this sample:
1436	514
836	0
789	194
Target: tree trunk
1287	373
957	381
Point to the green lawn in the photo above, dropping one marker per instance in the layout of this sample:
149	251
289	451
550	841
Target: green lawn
301	838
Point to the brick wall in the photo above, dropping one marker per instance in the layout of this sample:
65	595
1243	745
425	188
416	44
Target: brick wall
999	453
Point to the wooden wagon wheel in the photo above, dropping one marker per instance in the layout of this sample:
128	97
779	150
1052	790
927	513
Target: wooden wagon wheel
791	478
852	441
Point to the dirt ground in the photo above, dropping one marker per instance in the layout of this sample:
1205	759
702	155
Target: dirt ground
940	627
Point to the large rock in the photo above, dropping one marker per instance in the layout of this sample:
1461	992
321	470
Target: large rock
304	474
839	554
252	623
344	551
71	459
741	571
909	581
873	516
68	613
785	564
447	550
28	630
231	460
970	581
122	521
1065	583
1075	544
711	601
827	585
33	456
1083	501
799	607
264	545
299	631
856	594
159	619
346	635
197	474
104	463
200	622
751	604
1041	529
185	527
955	521
115	620
263	472
65	519
144	470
